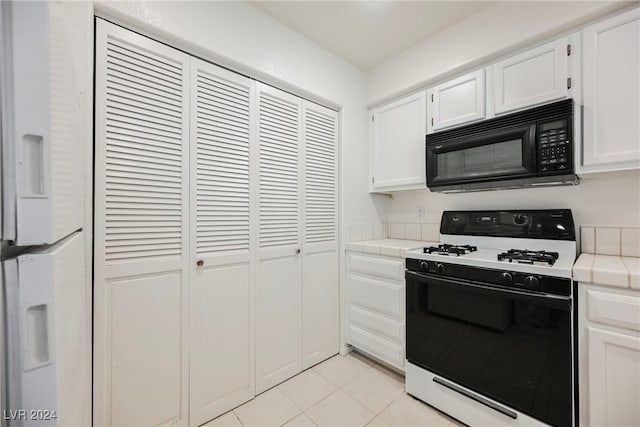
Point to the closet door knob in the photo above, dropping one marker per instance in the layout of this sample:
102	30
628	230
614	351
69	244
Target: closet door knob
298	250
200	263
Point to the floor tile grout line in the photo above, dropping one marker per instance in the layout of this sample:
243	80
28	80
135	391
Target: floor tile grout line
237	417
320	373
309	416
321	376
296	416
349	396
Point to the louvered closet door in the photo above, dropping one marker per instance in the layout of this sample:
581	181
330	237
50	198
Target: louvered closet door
278	287
141	230
221	351
320	337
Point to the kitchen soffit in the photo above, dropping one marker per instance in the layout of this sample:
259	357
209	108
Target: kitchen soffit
364	32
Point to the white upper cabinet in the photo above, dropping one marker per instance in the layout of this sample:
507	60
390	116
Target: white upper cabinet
533	77
611	94
458	101
397	144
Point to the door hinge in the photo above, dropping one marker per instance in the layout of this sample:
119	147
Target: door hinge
568	50
373	180
431	121
431	97
373	118
569	83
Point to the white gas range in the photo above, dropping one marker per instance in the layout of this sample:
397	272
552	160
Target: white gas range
490	315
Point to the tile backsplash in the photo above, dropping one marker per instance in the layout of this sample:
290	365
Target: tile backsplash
610	241
365	231
393	230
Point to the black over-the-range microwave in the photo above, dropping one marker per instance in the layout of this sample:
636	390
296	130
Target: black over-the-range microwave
534	147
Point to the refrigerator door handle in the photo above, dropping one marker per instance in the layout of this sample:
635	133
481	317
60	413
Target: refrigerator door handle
32	164
36	340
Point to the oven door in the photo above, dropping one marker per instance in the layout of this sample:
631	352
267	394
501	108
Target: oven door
501	154
512	346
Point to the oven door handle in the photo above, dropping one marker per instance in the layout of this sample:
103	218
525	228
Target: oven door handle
504	411
556	301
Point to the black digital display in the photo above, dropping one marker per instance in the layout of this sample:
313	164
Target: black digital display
553	125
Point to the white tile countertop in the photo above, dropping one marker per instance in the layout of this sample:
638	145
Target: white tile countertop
388	247
610	270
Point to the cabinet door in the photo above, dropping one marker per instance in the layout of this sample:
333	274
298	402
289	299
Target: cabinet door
376	304
533	77
221	329
611	58
278	287
457	101
397	144
141	235
320	313
614	377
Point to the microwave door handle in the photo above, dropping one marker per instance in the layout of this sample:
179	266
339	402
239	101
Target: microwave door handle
471	141
530	148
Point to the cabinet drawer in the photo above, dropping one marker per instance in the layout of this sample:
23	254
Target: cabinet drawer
393	269
376	295
391	329
386	350
614	309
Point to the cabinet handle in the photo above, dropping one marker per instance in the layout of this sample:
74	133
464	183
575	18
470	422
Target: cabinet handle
200	263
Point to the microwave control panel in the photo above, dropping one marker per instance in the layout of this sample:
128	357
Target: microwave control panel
554	147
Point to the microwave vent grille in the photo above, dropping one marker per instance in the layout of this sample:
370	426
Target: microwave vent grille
546	112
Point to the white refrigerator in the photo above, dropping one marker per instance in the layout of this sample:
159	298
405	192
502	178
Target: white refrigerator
45	299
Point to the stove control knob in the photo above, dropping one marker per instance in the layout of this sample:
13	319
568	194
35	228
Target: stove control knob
440	268
506	278
531	282
424	266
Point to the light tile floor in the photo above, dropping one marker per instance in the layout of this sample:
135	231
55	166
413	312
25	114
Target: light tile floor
347	390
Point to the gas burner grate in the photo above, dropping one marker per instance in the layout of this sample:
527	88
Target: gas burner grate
446	249
528	257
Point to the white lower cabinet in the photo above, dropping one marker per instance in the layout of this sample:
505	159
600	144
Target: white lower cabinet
377	306
609	351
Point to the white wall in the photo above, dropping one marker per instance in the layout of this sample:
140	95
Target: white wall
491	32
602	199
243	38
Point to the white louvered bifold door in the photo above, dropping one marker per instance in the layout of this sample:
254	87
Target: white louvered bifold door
221	351
320	307
141	230
278	286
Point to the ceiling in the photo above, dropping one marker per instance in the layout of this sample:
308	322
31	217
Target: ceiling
367	32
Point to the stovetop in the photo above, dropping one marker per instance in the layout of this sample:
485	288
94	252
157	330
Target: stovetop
488	249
